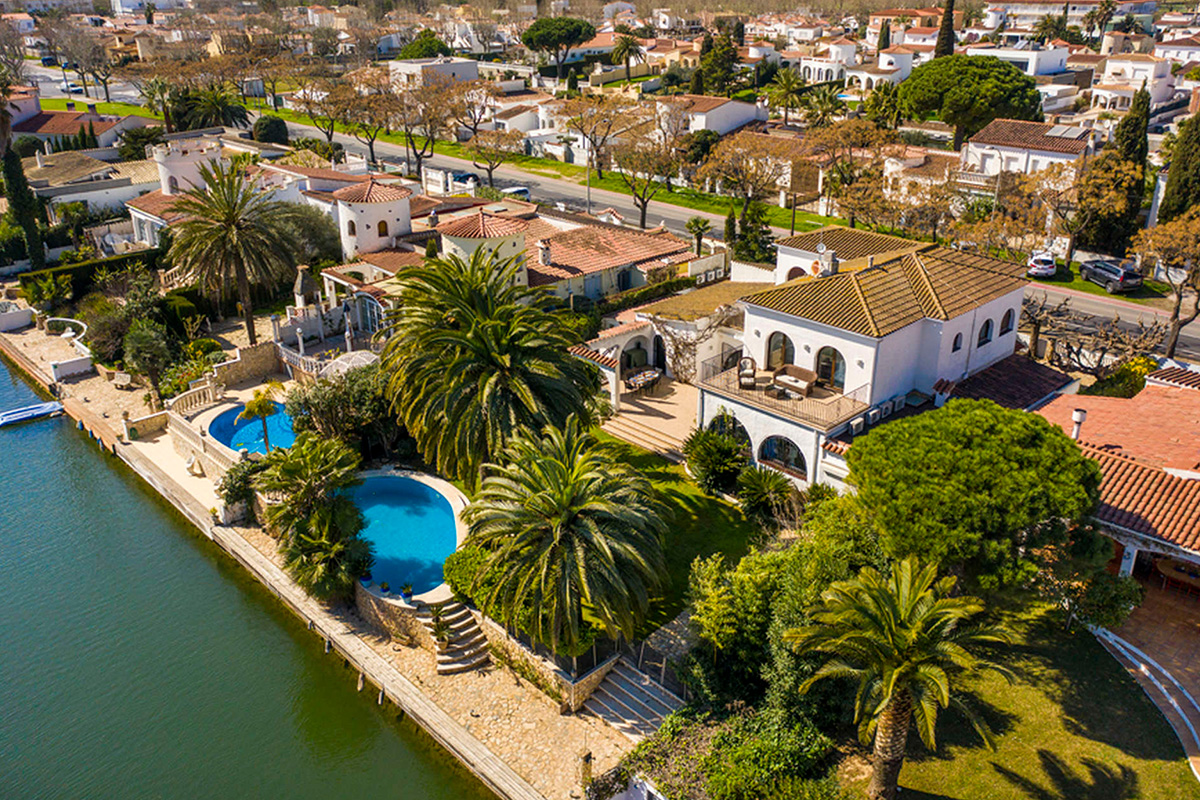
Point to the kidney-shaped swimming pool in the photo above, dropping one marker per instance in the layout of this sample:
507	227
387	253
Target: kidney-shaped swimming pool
413	528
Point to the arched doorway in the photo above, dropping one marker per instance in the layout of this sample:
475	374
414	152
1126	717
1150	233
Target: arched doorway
781	453
831	369
727	424
660	353
370	314
780	351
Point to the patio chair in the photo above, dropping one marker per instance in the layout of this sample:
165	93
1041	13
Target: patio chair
795	379
746	372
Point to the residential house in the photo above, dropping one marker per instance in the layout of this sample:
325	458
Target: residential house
74	176
892	65
859	327
719	114
22	23
31	120
1125	74
1027	13
1034	60
1118	43
829	63
1183	50
415	71
1018	146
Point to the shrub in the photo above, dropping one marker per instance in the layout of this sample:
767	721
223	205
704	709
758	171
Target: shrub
83	275
764	493
642	294
177	308
461	568
107	326
753	752
177	377
1128	380
715	460
237	484
271	129
26	146
584	326
199	348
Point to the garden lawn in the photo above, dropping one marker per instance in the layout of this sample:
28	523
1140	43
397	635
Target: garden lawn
118	109
1073	726
1150	293
700	526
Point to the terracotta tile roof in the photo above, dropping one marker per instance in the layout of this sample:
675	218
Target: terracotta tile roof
317	172
326	197
935	165
900	50
143	171
593	248
623	328
60	123
1015	382
393	260
1175	376
514	111
370	191
847	243
1141	58
932	282
482	226
588	354
1032	135
1146	500
1187	41
839	447
1159	427
156	204
700	303
698	103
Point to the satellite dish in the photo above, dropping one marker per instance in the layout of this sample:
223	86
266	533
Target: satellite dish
821	247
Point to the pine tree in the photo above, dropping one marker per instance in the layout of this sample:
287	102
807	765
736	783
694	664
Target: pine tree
739	33
706	44
1183	181
885	36
23	206
731	230
945	40
697	86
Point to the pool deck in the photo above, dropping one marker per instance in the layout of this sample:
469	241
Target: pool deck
501	728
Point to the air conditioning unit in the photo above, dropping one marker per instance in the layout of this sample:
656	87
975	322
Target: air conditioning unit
710	276
700	279
719	272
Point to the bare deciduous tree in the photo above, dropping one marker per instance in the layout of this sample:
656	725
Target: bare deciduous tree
682	341
1175	246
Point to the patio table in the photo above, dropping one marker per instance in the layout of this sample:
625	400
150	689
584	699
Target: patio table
1184	574
642	380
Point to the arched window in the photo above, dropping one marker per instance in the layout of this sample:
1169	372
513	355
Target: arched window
831	368
351	228
780	351
727	424
782	454
1006	322
985	333
382	228
957	343
796	272
172	185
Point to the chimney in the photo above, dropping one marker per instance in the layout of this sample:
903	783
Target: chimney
829	263
91	108
433	219
544	252
70	105
40	161
1078	416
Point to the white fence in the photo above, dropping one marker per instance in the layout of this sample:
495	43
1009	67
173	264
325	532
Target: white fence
219	456
206	393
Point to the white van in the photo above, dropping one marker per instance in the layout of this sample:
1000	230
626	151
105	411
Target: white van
519	192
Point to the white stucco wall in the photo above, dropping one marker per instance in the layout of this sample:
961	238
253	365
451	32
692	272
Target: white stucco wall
366	217
808	338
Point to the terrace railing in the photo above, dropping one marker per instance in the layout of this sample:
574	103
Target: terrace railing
223	457
293	359
822	412
205	394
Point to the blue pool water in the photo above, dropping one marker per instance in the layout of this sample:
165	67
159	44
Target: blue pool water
248	434
412	526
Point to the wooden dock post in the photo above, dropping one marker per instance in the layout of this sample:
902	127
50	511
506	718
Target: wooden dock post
327	644
380	695
361	680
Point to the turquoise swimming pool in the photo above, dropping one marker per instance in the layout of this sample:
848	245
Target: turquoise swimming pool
413	528
248	434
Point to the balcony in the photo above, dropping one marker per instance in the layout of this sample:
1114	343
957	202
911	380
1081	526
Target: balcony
824	409
973	180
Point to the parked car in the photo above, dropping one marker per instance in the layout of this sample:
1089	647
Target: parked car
49	61
464	177
72	88
1114	276
1041	265
519	192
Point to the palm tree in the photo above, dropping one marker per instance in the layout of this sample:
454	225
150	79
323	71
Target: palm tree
1105	11
822	105
786	91
326	555
882	106
697	227
905	640
305	477
233	232
261	406
157	95
569	527
216	107
476	358
626	48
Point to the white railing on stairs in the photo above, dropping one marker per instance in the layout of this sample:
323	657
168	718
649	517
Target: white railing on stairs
208	393
293	359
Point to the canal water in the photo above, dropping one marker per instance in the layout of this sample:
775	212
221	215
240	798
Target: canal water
137	661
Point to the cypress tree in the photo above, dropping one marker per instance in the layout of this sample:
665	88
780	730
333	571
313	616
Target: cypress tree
945	40
739	33
81	138
885	36
697	86
706	44
23	207
1130	135
1183	181
93	140
730	229
572	81
431	250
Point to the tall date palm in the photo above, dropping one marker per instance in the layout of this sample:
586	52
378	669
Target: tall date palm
475	359
904	640
626	48
569	527
233	233
786	91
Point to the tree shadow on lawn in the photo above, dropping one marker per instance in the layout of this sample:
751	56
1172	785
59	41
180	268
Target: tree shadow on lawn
1059	781
1099	700
955	733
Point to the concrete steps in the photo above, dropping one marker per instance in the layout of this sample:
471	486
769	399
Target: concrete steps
464	646
634	431
630	702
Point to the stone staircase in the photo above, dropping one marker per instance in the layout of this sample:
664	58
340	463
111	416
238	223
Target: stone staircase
630	429
630	702
1173	700
465	647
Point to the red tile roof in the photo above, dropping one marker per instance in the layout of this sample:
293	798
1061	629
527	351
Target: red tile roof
156	204
59	123
588	354
482	226
1032	135
593	248
1160	427
1140	498
372	192
1013	382
318	172
1175	376
393	260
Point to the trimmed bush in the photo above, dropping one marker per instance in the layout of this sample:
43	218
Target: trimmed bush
201	348
271	129
177	307
460	569
715	460
1128	380
83	274
643	294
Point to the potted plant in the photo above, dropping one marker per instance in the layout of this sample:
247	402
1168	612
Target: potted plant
383	587
407	591
365	580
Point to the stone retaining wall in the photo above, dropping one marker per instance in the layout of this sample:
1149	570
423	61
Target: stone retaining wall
398	621
252	363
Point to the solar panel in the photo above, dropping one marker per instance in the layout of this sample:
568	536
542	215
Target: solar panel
1057	130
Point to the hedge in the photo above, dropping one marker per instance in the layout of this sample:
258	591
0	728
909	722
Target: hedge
643	294
83	274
